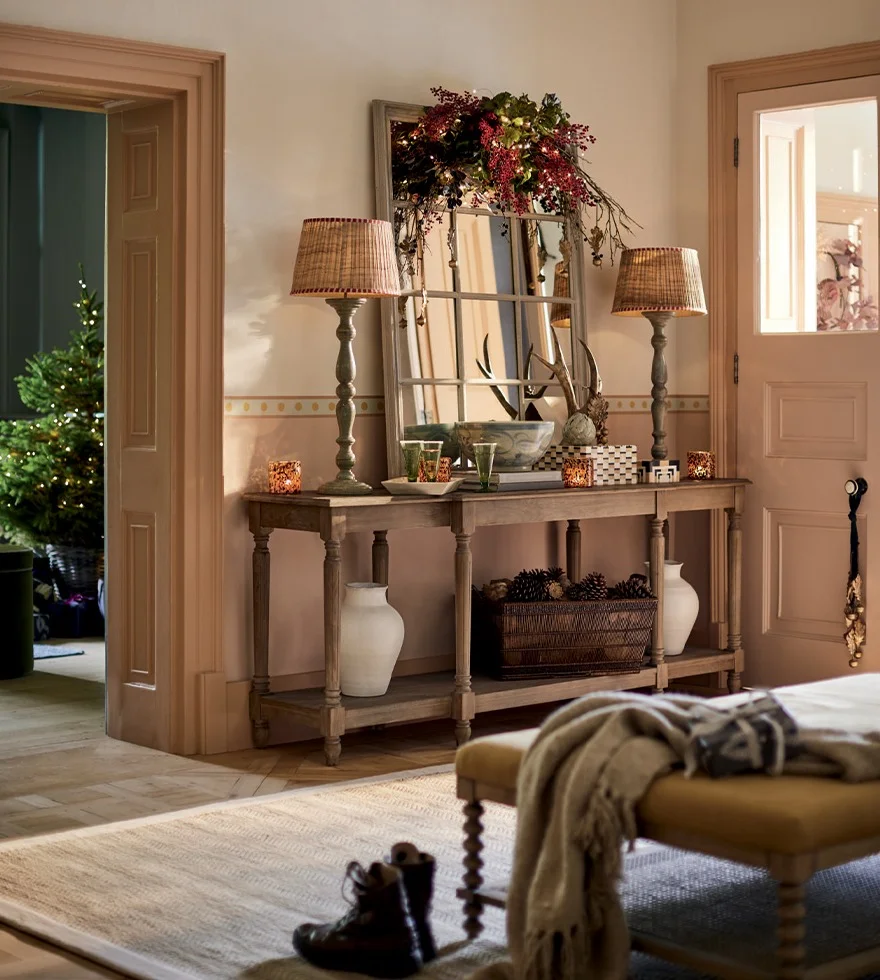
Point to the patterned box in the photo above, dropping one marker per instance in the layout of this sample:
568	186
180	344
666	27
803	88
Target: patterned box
659	471
611	464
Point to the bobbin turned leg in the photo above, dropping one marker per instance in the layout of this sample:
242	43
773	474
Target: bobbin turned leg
332	712
260	679
473	867
790	951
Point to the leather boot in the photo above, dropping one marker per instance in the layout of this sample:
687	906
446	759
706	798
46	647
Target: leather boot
418	880
376	937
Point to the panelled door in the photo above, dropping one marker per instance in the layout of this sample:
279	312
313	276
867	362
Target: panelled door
140	288
808	366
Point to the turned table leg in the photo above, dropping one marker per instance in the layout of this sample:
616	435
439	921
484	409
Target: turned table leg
380	557
473	868
734	592
463	701
573	550
332	713
260	681
658	558
790	950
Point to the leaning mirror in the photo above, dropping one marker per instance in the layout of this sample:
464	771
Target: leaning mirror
491	303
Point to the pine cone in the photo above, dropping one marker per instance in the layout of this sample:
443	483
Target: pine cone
554	573
555	590
589	589
635	587
529	586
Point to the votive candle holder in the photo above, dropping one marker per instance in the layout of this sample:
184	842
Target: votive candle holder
577	471
430	461
700	464
412	458
444	470
285	476
484	456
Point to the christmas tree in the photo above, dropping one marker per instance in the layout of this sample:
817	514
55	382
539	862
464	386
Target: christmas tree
52	466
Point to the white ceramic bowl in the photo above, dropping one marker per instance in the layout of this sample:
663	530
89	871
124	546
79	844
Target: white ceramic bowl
519	445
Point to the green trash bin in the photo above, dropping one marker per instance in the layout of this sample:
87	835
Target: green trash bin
16	611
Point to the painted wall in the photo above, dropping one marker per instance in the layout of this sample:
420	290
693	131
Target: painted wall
300	78
53	202
713	32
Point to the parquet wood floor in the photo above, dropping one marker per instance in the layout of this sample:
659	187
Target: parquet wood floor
58	770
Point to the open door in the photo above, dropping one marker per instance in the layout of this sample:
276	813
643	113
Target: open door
808	344
141	242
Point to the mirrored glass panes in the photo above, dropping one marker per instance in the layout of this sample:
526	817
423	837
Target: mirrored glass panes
541	257
429	406
426	338
489	339
535	322
482	245
818	219
433	258
491	403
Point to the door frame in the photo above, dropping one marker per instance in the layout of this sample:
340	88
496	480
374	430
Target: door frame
726	83
194	705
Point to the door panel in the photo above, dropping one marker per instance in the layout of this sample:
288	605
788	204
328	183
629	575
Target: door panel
140	243
809	368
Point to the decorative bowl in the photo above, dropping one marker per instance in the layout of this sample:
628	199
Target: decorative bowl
436	432
519	445
400	486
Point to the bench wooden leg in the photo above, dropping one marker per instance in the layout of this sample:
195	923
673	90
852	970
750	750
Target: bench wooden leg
473	866
790	951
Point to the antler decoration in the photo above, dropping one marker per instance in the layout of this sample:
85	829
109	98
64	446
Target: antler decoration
561	372
487	372
597	405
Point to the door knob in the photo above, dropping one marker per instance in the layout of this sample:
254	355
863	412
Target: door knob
856	488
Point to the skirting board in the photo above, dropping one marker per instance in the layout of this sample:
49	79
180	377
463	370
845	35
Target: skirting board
283	730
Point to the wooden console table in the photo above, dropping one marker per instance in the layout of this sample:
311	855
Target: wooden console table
460	696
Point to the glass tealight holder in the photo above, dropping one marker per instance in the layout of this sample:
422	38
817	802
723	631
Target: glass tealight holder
577	471
484	457
700	464
412	454
431	460
444	472
285	476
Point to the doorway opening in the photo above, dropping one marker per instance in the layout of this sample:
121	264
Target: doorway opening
52	260
166	687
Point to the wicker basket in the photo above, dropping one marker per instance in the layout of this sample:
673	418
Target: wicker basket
559	638
76	570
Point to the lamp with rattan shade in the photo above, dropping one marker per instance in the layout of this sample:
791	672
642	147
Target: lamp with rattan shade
345	261
560	313
659	284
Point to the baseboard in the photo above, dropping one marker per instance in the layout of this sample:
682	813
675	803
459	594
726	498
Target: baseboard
283	730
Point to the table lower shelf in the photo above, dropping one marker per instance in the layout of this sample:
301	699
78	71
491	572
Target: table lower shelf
426	697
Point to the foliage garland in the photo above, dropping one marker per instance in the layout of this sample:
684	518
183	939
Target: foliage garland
509	153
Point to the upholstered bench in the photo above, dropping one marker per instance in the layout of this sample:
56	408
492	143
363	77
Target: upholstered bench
792	826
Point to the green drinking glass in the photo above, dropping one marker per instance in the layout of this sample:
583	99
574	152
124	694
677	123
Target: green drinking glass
412	454
484	456
431	459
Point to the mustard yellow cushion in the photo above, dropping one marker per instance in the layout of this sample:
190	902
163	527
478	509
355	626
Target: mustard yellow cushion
783	815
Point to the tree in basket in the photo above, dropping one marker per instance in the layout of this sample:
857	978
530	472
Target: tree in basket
52	465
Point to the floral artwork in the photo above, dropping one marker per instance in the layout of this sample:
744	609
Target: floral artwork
504	152
842	301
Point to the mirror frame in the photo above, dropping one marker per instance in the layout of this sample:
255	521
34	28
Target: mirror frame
384	113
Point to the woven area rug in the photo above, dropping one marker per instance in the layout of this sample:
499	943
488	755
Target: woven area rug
46	651
215	892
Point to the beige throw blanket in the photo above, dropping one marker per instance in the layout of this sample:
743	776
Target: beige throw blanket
578	789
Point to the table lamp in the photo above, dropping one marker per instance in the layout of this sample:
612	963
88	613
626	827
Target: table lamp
346	261
560	313
658	284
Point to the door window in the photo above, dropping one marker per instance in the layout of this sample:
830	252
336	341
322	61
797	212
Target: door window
818	227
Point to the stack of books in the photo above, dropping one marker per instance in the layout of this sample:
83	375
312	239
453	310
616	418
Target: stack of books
524	480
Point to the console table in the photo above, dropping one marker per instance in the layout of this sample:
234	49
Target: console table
458	695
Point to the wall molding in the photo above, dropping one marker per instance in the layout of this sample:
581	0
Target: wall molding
321	406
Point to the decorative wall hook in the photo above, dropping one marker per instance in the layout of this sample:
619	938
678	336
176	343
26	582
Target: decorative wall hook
854	610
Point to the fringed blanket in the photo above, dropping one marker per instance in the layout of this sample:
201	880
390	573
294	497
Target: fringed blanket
579	787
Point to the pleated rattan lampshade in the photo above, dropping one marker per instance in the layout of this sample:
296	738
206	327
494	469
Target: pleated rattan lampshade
560	313
346	257
665	279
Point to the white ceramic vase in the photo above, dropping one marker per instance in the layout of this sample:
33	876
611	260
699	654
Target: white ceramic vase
680	607
372	635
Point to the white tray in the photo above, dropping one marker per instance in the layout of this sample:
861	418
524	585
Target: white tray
400	486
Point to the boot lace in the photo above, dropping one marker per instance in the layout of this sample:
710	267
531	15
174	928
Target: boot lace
354	884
